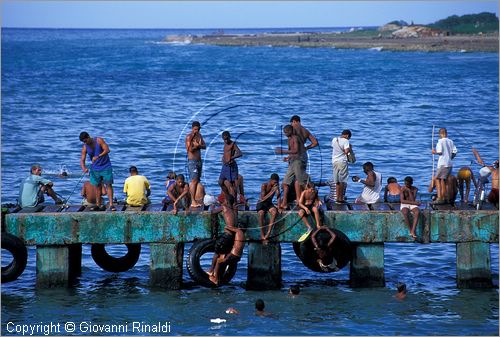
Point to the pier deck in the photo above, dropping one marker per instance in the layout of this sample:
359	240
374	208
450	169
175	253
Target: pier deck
59	236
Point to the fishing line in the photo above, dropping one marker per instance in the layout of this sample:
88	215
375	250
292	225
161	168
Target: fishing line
65	203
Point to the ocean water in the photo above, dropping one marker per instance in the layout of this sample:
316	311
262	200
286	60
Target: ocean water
141	94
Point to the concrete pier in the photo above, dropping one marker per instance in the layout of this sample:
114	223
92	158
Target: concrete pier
59	236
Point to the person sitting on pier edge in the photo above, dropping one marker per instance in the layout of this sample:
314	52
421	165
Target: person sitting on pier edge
197	203
265	204
194	145
33	188
446	150
88	194
179	194
465	175
309	203
101	170
136	188
493	195
392	191
230	214
326	261
409	202
373	185
296	168
229	172
341	149
171	177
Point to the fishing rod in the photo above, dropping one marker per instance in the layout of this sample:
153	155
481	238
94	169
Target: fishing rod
65	203
432	148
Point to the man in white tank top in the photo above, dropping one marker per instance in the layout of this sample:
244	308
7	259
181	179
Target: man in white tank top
373	185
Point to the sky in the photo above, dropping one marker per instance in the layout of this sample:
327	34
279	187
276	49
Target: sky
230	14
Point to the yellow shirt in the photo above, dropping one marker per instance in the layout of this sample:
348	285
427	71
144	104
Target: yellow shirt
135	187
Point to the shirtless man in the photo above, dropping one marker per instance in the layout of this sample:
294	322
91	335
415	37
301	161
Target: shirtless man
267	192
179	194
229	171
296	168
230	215
409	202
197	198
392	191
194	145
493	196
304	135
309	203
89	195
465	175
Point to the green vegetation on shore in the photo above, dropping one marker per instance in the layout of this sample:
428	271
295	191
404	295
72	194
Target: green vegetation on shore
468	24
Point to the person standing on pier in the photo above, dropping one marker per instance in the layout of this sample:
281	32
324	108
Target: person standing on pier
465	175
446	150
136	188
409	202
229	172
296	168
101	170
341	149
33	188
304	135
194	145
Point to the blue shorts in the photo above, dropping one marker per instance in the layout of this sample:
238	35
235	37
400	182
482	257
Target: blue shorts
98	176
393	198
229	172
194	169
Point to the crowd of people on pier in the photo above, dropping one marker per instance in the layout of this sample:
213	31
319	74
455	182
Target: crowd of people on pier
298	191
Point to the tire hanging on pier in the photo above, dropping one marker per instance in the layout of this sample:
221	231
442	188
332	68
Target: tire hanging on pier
201	247
116	264
341	251
19	254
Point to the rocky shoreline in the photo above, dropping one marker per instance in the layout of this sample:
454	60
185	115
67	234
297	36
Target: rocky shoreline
456	43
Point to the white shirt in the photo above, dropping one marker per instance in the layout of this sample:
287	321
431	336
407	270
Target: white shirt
446	147
339	145
370	195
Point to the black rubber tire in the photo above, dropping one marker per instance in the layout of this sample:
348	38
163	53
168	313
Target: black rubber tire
116	264
342	252
20	257
198	249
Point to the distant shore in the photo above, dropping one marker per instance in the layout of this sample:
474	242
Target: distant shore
458	43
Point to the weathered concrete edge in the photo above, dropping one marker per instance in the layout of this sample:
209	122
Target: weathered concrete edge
146	227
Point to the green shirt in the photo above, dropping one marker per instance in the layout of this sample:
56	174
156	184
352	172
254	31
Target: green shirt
30	187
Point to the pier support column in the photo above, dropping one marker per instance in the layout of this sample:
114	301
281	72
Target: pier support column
367	266
473	265
52	266
75	260
166	265
264	266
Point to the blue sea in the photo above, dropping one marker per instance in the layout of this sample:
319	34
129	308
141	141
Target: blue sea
141	94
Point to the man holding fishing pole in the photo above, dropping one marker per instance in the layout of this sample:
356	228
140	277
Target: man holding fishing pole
101	171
